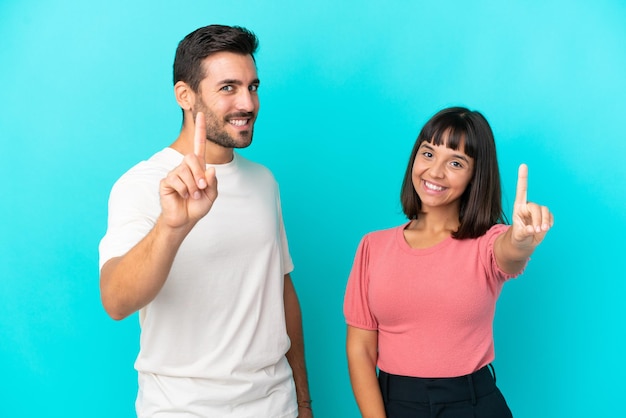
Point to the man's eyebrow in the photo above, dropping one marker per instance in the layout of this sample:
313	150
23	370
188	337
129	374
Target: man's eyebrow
238	82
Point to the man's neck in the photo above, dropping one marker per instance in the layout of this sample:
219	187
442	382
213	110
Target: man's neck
215	154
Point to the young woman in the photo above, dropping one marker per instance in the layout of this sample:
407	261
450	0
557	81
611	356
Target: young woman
421	297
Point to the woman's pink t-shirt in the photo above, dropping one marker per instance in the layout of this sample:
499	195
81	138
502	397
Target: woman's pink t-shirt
433	308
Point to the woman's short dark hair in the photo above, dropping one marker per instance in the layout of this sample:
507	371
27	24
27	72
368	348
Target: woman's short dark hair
481	203
202	42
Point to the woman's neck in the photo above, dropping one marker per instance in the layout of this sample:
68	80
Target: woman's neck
430	228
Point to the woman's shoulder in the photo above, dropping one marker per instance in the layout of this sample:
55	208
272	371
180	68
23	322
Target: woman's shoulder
382	235
386	231
495	230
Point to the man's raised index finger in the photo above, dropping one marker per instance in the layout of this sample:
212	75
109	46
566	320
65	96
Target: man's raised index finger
521	194
199	138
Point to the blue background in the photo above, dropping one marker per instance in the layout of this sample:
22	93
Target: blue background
87	92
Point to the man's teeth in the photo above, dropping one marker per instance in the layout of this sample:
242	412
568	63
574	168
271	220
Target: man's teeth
433	186
238	122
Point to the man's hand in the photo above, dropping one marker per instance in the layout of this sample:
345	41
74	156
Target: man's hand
305	413
131	281
189	190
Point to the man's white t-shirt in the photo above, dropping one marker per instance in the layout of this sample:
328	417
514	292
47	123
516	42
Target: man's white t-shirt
213	341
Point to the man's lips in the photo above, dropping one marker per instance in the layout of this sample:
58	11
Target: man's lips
240	120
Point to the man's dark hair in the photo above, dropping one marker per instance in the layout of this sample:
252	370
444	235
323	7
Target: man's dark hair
481	205
202	42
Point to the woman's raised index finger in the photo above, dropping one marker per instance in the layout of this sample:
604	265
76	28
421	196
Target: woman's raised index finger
199	138
521	195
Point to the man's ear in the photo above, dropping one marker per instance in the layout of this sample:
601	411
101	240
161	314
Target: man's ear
185	96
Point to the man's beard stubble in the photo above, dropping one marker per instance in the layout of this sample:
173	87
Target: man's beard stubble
216	132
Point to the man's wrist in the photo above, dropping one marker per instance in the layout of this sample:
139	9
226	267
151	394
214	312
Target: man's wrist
305	404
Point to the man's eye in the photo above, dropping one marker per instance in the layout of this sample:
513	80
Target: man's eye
253	87
227	88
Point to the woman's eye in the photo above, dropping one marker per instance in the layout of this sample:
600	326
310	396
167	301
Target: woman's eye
456	164
427	154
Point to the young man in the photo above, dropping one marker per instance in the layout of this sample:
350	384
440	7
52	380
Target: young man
196	243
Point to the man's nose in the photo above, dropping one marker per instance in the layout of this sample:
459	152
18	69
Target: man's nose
246	101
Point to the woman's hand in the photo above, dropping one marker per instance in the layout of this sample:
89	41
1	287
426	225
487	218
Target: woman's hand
531	221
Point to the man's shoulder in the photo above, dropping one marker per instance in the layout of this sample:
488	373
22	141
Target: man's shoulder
160	162
253	167
149	171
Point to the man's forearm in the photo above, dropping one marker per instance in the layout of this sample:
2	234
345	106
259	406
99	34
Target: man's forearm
295	355
130	282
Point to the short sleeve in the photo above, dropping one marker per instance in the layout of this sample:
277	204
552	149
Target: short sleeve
287	262
487	242
134	206
356	302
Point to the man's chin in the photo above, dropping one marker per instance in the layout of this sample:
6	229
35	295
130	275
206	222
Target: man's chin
241	146
241	141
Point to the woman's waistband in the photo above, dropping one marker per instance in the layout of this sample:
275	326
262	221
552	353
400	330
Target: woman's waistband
437	390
